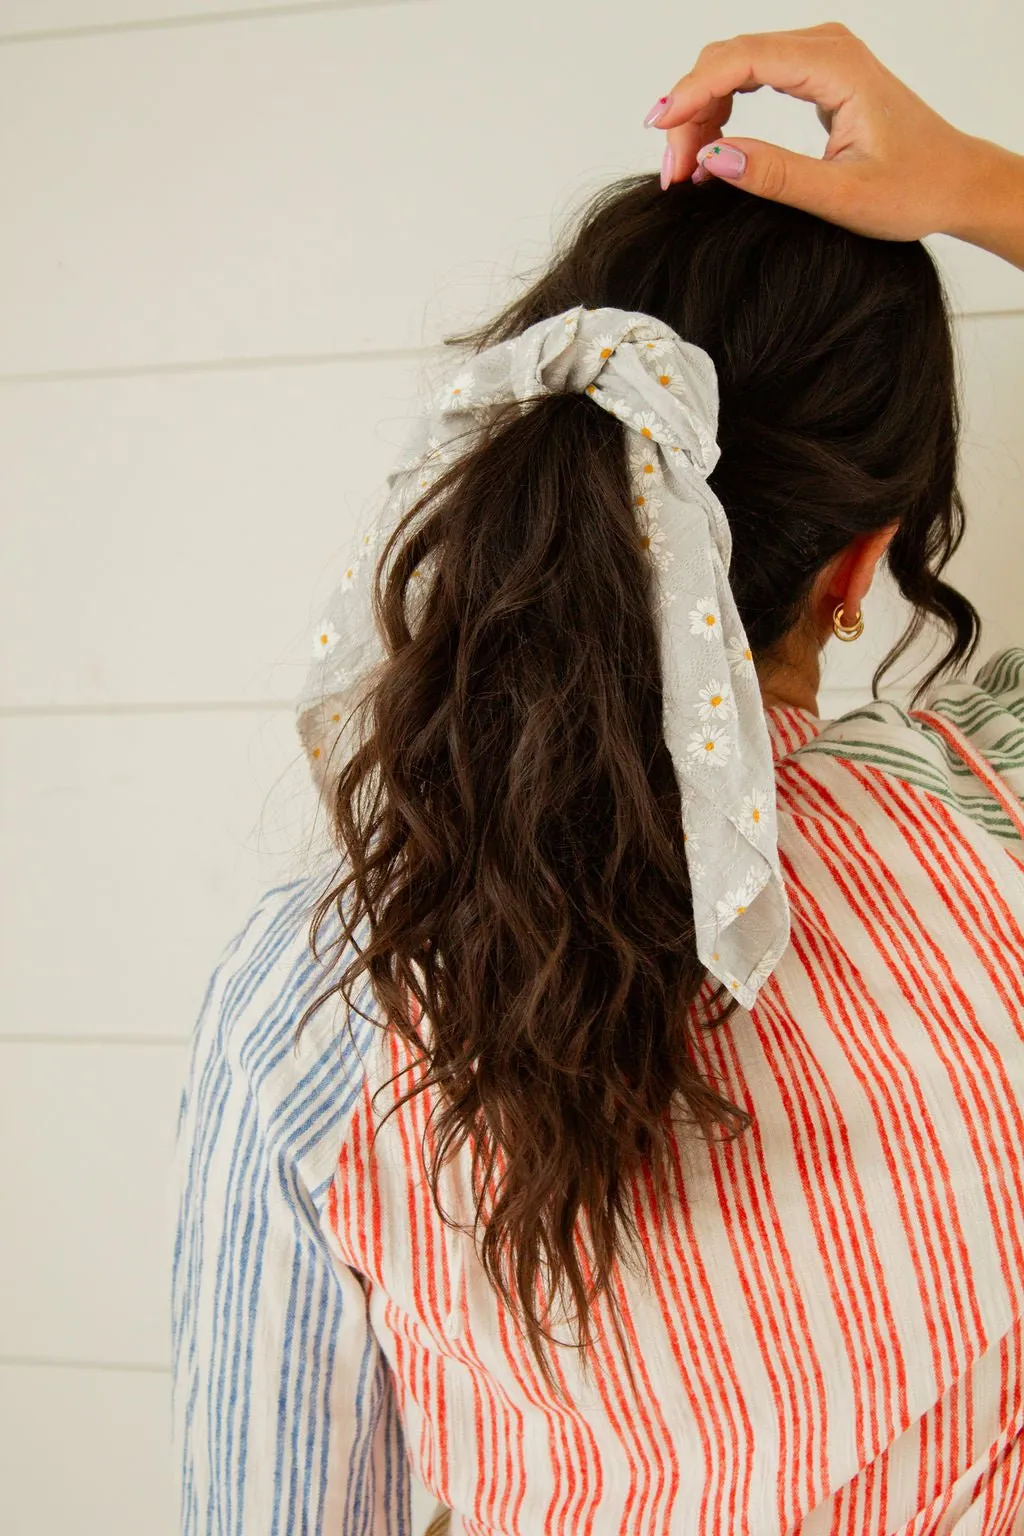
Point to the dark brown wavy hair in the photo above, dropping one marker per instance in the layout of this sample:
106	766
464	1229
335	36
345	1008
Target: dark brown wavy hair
510	823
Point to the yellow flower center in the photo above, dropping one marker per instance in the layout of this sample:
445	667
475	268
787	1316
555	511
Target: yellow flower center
716	700
747	654
645	541
646	432
709	746
664	378
755	814
741	909
639	501
335	718
648	469
316	751
606	351
323	639
457	391
709	619
591	389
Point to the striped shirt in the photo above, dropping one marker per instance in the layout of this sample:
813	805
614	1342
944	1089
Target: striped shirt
831	1335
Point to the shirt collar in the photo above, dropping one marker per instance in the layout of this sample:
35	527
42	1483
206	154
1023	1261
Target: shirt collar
790	727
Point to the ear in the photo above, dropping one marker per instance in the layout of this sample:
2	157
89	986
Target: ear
848	578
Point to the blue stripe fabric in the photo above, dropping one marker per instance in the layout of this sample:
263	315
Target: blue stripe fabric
285	1418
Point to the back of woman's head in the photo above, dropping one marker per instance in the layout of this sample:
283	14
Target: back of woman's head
520	862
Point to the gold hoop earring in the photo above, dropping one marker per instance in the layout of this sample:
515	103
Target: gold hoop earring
846	632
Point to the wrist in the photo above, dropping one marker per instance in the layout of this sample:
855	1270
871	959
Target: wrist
987	198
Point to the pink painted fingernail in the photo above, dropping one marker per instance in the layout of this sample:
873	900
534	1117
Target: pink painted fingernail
659	109
699	175
668	161
723	160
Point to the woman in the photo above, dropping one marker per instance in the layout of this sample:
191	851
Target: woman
741	1123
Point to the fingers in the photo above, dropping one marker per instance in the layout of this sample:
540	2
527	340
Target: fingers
890	168
815	64
831	189
800	63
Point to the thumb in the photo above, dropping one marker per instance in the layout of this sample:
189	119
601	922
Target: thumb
822	187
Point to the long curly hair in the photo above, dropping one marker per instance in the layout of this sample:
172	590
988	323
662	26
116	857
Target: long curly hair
509	825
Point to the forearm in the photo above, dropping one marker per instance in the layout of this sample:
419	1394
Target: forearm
989	210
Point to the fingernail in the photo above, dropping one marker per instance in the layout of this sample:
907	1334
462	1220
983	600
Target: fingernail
659	109
668	161
722	160
699	175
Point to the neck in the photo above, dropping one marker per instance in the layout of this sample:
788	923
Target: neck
791	682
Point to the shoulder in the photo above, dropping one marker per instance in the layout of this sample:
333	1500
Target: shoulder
253	1078
964	746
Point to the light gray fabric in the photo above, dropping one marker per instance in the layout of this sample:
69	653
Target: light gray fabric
665	392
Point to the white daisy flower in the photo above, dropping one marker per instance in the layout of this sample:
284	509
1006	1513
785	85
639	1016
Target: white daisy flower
711	745
756	810
648	424
653	346
348	576
704	620
599	351
621	408
645	501
697	869
662	557
459	393
692	843
734	903
673	382
325	639
739	653
645	481
716	702
644	474
649	525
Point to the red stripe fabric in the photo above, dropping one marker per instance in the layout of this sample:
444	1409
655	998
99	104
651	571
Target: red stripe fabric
831	1335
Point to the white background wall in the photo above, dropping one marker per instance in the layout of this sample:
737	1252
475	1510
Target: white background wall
229	236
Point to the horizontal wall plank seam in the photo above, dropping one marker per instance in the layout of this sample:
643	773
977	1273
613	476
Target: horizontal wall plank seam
134	1367
173	707
310	359
51	1039
202	19
223	365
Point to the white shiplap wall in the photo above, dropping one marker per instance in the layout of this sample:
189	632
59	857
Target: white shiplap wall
231	234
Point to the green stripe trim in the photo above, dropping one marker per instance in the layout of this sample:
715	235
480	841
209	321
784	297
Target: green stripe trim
989	712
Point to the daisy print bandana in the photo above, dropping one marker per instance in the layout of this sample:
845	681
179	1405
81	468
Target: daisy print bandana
665	392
